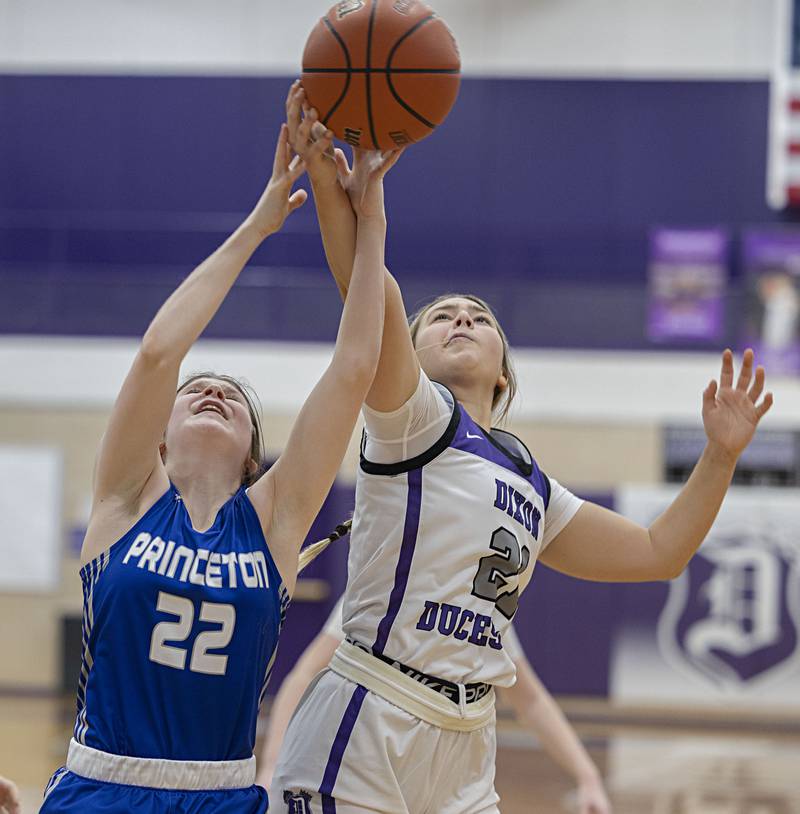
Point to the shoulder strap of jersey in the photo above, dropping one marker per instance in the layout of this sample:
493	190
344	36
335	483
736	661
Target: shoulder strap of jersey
519	453
423	458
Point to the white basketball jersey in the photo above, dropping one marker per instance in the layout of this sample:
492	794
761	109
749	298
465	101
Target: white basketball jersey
442	545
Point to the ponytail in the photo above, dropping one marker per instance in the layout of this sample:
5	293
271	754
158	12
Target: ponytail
311	552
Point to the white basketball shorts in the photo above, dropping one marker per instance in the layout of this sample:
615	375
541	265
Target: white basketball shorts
348	750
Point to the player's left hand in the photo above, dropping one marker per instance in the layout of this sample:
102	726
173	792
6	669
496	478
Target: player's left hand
9	797
592	798
278	201
731	413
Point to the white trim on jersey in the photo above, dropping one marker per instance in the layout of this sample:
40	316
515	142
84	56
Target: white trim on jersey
91	573
157	773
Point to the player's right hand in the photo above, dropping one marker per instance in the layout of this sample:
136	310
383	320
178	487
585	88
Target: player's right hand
9	797
364	182
592	798
305	130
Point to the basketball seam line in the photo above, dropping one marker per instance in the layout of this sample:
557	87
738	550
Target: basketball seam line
368	74
389	59
343	45
453	71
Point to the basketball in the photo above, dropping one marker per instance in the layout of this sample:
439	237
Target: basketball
381	73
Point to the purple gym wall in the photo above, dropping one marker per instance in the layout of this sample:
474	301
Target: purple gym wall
538	194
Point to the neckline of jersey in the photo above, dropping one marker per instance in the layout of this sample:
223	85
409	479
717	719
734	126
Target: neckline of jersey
217	516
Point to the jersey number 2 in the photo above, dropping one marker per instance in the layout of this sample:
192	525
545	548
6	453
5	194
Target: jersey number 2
202	661
495	570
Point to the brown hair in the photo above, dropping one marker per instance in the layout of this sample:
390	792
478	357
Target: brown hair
502	397
257	452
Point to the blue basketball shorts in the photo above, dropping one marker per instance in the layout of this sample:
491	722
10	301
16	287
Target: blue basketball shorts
69	793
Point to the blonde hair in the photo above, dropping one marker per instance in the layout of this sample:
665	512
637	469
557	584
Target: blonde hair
503	396
311	552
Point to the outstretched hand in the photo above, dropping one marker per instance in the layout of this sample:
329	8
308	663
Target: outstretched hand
731	414
305	130
364	182
278	201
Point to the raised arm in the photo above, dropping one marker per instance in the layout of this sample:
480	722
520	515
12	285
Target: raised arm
535	708
331	178
289	496
128	468
599	544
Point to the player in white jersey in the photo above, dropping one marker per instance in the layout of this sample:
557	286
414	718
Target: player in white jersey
533	707
450	518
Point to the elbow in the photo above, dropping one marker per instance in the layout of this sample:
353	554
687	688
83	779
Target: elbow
665	561
153	350
666	569
672	570
357	370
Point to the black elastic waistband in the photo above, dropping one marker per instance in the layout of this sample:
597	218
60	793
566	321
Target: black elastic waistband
449	689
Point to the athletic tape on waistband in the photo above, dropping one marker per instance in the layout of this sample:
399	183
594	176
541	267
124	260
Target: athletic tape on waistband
355	664
183	775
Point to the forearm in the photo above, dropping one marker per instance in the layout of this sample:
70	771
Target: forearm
338	227
187	312
558	738
281	712
359	341
678	532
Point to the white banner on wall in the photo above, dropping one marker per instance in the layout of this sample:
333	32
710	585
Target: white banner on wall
728	629
30	505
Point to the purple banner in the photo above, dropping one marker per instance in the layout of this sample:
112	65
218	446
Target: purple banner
771	259
687	274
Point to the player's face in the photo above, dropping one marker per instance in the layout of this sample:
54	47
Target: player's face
458	337
214	410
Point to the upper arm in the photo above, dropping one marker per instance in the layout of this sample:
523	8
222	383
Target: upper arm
398	368
128	456
599	544
289	496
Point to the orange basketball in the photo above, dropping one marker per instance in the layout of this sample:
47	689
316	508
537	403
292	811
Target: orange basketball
381	73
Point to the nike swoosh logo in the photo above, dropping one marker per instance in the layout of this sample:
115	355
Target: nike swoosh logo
470	435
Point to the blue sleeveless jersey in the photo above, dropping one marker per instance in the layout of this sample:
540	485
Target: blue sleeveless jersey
180	630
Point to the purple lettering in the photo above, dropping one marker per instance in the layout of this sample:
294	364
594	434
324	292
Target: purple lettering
466	617
478	635
537	516
448	618
501	499
496	641
519	500
428	619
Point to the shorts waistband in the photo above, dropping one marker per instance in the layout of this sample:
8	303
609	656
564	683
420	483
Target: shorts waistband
156	773
362	667
449	689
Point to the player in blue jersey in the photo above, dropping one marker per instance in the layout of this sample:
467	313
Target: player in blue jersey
191	553
451	515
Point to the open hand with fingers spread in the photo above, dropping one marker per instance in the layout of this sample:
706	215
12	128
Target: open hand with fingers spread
305	131
731	414
278	200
